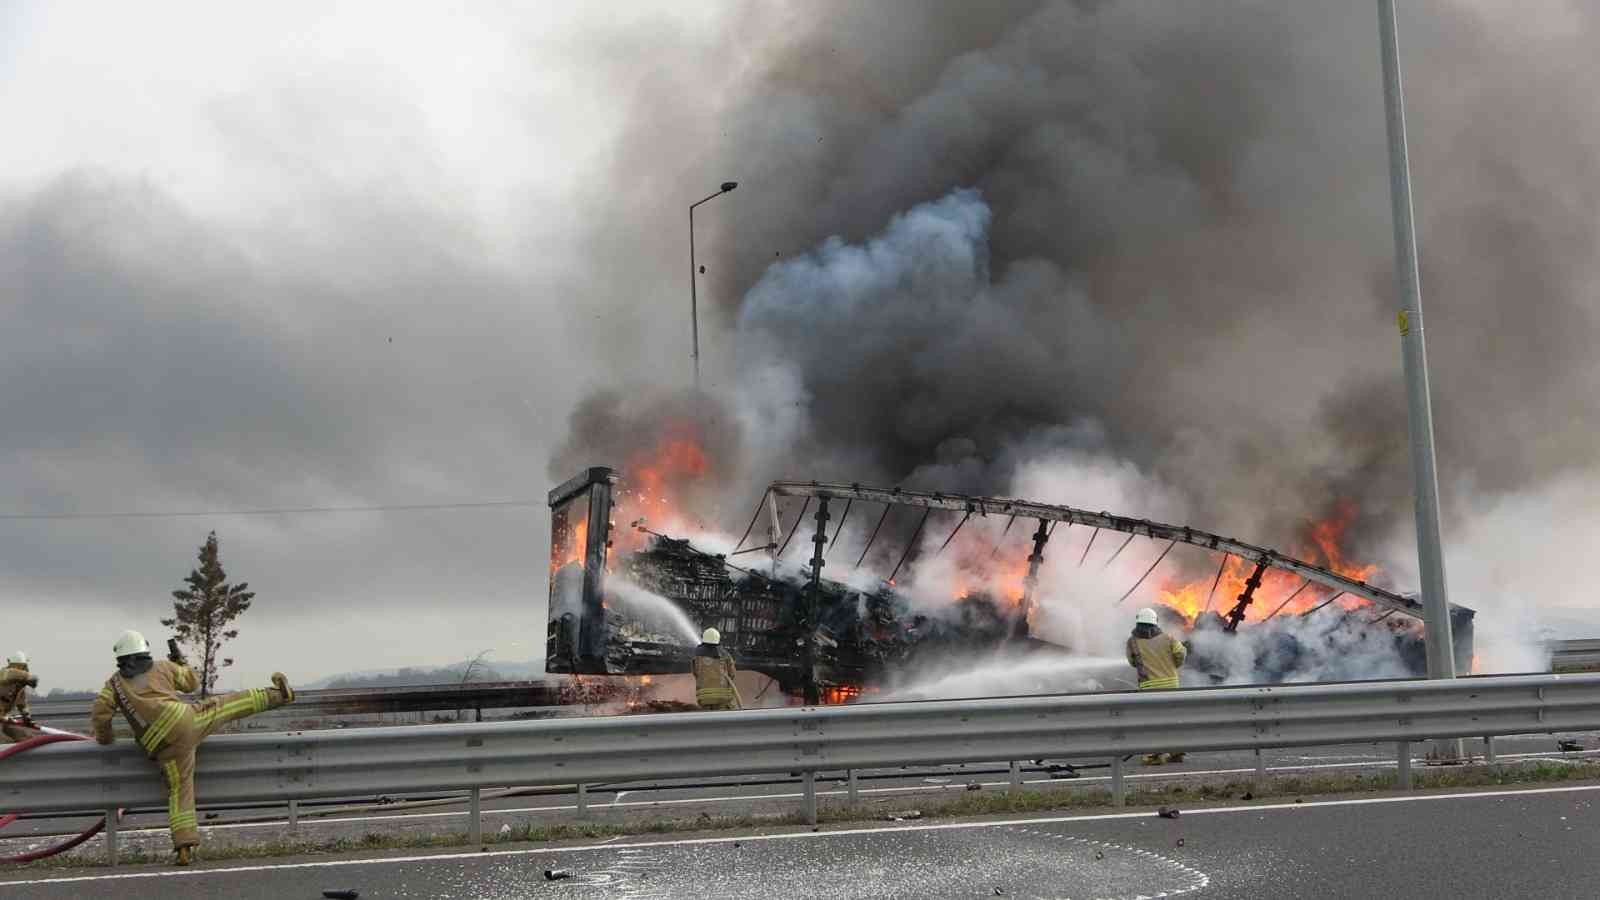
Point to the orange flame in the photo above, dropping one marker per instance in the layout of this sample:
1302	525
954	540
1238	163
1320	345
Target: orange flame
1322	545
654	484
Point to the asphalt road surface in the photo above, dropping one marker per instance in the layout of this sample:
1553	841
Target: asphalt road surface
1537	842
886	790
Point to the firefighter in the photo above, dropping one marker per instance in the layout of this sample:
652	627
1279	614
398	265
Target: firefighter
1157	657
15	680
145	692
714	674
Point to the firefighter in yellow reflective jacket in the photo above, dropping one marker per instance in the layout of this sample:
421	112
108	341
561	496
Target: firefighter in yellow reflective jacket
714	686
1157	657
146	694
15	680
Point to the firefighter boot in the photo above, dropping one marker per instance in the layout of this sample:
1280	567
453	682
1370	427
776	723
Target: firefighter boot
282	684
1174	757
1153	759
185	856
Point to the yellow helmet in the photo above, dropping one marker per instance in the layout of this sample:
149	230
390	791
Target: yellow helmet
711	636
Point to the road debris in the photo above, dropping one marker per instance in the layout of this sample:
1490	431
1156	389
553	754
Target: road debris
1569	746
341	895
557	874
1167	812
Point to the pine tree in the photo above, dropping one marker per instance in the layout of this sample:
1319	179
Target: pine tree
203	611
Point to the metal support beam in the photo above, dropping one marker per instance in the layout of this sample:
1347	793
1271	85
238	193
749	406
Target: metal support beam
294	816
583	799
1260	782
1488	749
1402	755
1221	566
475	816
1031	581
911	545
814	602
1236	615
808	778
1016	776
111	835
852	790
1118	787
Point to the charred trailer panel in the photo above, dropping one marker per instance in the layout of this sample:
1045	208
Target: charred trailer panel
580	536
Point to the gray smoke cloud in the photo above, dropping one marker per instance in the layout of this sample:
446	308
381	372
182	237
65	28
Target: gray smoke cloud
1161	233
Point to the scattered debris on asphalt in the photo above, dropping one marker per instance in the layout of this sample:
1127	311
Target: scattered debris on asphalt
557	874
341	895
1167	812
1569	746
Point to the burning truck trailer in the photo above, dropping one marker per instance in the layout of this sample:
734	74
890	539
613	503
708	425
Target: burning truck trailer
639	611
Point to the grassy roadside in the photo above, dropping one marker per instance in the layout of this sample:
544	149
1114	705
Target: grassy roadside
965	805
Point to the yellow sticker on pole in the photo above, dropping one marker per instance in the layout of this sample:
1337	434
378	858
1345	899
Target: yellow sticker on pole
1405	323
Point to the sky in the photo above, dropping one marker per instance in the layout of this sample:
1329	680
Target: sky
317	255
363	254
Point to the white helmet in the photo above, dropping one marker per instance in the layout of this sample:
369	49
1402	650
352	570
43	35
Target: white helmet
130	643
711	636
17	659
1146	616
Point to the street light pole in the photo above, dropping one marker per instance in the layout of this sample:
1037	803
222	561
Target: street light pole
1430	554
694	299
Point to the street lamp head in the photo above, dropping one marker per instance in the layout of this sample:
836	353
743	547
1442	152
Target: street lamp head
729	185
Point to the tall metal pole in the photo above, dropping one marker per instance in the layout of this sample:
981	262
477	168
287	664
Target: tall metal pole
694	299
1430	553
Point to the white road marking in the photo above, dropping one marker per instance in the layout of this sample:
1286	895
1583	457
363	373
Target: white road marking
1554	756
802	835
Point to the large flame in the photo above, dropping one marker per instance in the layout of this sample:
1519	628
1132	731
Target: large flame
654	486
1322	544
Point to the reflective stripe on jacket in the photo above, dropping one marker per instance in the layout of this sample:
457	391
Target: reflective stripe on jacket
1157	660
150	702
14	690
713	679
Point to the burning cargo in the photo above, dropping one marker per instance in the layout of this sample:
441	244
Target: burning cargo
639	609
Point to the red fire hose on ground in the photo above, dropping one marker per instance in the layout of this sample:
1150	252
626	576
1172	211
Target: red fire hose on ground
54	737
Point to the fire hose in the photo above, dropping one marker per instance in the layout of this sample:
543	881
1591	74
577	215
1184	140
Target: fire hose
53	737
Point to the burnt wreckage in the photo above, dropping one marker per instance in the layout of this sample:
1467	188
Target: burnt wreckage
823	639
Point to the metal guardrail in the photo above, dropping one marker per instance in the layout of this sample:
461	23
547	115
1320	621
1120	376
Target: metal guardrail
353	762
1572	654
476	696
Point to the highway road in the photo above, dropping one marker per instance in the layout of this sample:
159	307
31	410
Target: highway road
888	791
1494	843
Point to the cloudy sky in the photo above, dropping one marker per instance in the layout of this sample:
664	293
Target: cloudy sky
314	255
317	255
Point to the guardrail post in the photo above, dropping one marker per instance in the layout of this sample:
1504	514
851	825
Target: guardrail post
1016	775
855	794
111	835
809	779
475	816
294	816
1261	773
1488	749
583	799
1118	789
1403	760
